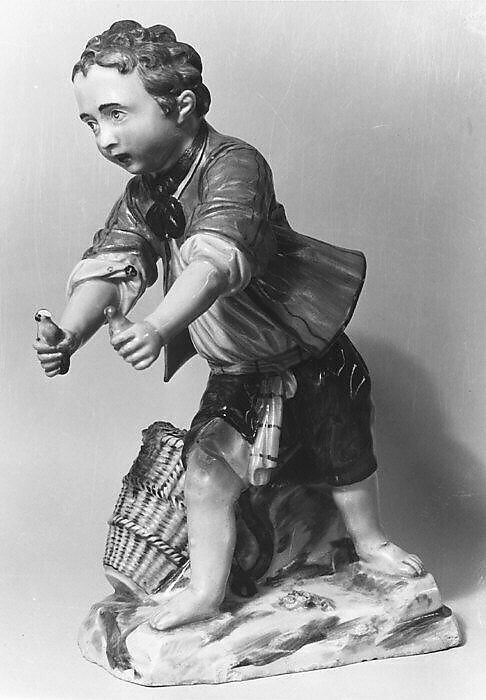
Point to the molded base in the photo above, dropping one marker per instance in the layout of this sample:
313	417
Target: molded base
301	622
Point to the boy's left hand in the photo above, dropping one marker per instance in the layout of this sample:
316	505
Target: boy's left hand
140	345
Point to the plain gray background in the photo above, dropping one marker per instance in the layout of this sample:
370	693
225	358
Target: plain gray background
372	116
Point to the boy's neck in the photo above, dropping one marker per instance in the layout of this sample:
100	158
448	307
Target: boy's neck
165	182
189	130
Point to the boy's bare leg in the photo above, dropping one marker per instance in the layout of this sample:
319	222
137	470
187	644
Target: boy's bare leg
358	504
211	490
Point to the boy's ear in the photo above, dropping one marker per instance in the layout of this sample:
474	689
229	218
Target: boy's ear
186	104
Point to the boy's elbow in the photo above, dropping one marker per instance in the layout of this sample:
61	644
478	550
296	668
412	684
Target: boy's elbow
215	279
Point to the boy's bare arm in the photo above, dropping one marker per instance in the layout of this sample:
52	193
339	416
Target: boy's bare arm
194	291
83	314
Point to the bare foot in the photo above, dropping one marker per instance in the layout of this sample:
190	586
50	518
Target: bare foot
390	559
182	608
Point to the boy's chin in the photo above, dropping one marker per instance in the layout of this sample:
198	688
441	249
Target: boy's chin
136	167
133	168
130	165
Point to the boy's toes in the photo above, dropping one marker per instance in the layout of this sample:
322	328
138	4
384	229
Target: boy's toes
159	621
393	560
415	563
408	569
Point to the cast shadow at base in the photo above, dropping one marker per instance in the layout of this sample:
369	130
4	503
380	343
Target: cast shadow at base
432	486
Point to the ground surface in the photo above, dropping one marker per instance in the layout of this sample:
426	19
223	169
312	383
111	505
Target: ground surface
39	657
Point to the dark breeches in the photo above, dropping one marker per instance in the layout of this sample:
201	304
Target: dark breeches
326	431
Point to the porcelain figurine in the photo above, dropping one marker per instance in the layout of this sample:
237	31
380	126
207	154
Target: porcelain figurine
287	408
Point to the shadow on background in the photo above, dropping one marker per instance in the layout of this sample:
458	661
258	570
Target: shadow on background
430	482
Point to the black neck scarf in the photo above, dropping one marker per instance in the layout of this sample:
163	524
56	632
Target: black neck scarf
166	217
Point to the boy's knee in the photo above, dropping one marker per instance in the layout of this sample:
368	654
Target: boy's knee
218	443
209	479
198	485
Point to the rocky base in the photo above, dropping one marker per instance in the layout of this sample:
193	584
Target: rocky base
301	622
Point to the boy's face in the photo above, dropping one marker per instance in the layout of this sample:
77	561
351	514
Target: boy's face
129	126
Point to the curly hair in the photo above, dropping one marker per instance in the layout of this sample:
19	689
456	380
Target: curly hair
166	66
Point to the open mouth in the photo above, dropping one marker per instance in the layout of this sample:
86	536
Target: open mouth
123	158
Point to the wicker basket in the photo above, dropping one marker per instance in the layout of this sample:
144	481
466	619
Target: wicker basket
147	536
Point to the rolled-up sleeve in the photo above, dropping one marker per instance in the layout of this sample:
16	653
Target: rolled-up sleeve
123	270
223	255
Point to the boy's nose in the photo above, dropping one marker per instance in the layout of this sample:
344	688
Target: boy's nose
106	139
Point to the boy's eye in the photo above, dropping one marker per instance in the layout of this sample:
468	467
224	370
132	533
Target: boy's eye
116	115
92	125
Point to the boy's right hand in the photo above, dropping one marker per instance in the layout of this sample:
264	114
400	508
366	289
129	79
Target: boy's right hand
52	357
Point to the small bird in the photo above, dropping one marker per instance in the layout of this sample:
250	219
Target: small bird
50	332
116	320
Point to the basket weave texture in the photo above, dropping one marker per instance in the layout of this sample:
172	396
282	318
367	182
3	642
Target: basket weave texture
147	535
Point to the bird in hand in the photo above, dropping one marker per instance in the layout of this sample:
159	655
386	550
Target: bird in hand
52	335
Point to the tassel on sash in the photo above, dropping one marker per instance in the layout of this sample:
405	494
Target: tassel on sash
264	453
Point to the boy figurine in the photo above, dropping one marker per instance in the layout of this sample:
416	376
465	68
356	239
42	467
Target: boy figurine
265	306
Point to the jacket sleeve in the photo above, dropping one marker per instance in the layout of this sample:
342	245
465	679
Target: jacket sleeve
231	217
125	251
126	231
